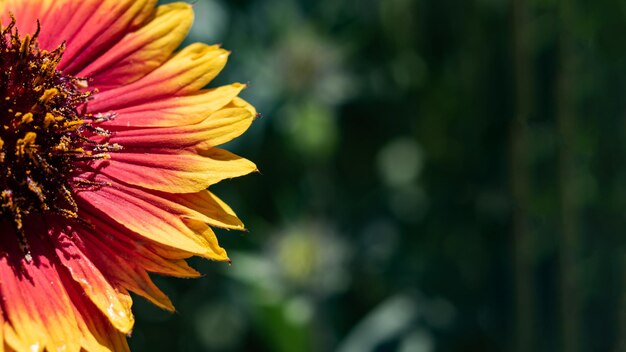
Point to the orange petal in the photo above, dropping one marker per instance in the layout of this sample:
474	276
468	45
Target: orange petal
97	332
151	45
185	73
205	231
102	24
2	324
126	275
220	127
132	248
132	278
176	173
148	215
215	212
111	303
11	341
240	103
89	27
176	111
26	13
34	297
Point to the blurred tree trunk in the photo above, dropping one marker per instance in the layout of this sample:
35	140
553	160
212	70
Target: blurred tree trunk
520	178
620	343
568	243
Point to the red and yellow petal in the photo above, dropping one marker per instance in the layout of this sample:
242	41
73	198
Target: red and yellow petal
89	27
209	209
44	308
185	73
175	111
36	303
149	215
176	173
26	13
104	23
113	304
220	127
97	333
151	45
134	248
132	277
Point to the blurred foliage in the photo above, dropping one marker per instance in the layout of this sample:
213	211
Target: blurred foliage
383	216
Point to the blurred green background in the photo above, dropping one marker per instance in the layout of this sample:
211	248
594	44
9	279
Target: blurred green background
436	175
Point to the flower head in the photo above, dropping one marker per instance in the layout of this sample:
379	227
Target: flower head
107	146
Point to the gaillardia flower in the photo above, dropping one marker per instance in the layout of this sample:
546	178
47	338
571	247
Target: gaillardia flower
107	147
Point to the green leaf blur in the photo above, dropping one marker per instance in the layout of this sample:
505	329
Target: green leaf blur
436	175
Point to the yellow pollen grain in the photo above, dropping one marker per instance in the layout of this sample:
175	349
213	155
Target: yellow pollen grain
23	143
48	94
73	123
27	118
30	137
48	119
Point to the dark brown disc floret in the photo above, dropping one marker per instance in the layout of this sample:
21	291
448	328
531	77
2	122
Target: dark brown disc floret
44	130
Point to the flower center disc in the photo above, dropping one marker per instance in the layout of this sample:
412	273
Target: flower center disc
43	132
